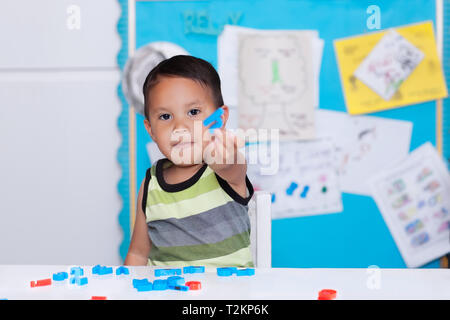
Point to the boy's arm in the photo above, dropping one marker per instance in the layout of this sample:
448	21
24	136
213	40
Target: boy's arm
140	245
232	167
234	174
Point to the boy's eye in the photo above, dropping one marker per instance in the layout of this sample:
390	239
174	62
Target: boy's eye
194	112
164	116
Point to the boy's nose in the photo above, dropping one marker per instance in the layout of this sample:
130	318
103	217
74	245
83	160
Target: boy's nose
179	131
180	125
180	134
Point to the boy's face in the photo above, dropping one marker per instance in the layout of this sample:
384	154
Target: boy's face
175	107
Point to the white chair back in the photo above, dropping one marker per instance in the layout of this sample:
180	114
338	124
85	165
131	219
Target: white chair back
259	210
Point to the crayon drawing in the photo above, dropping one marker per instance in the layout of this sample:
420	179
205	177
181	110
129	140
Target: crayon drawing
364	145
389	64
306	182
414	199
408	71
276	83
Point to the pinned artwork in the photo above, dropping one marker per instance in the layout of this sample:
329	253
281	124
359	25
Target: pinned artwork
389	64
305	182
414	199
275	84
229	60
364	145
140	64
391	68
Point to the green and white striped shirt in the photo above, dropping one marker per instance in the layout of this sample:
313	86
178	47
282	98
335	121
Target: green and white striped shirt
200	221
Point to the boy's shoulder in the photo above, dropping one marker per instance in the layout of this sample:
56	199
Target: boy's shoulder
152	169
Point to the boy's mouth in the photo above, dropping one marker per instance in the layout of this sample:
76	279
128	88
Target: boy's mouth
182	144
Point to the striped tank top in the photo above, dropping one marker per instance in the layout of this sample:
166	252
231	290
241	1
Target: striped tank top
200	221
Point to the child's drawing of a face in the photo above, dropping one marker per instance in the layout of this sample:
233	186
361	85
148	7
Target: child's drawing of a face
276	72
272	75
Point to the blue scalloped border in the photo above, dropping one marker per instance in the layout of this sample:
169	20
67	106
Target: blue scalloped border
122	122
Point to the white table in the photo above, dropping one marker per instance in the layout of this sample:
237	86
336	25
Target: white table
266	284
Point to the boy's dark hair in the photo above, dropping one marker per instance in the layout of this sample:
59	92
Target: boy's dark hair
185	67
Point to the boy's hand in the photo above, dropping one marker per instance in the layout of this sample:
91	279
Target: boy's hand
222	149
224	158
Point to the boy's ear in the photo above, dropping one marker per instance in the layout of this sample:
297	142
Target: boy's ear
148	127
225	115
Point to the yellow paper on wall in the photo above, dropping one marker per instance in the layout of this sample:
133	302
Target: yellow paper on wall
426	81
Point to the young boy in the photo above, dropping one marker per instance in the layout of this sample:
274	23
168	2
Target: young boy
194	210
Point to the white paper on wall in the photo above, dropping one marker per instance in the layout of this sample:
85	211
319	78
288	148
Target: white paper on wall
414	199
389	64
305	181
275	84
228	63
364	145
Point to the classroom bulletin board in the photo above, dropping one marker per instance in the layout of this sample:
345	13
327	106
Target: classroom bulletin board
358	236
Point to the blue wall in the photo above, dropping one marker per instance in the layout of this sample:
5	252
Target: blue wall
358	236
